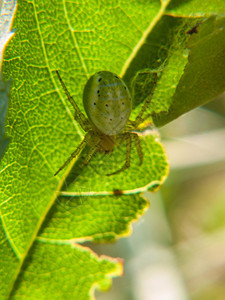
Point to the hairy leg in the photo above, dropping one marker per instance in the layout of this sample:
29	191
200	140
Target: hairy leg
138	147
91	152
128	138
75	153
79	116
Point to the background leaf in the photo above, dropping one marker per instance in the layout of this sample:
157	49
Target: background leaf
195	7
203	77
4	90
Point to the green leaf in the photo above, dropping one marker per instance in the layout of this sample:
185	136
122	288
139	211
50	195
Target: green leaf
80	217
43	215
196	7
84	200
49	265
203	77
44	132
8	266
165	51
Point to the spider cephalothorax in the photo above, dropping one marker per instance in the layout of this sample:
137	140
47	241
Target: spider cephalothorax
108	105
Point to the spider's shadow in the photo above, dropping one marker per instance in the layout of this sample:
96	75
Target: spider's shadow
79	166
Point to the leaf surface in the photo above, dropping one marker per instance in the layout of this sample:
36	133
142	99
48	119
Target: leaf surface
8	266
76	267
40	120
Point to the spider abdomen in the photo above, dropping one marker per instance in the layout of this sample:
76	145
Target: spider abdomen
107	102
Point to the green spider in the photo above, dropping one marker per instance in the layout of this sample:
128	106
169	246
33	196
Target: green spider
108	105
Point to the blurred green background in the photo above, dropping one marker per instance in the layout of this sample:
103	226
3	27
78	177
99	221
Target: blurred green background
177	249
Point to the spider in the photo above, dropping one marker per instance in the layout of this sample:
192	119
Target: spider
108	104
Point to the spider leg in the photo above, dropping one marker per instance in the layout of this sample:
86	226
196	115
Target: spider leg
132	124
74	154
128	138
91	153
138	147
79	116
139	119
